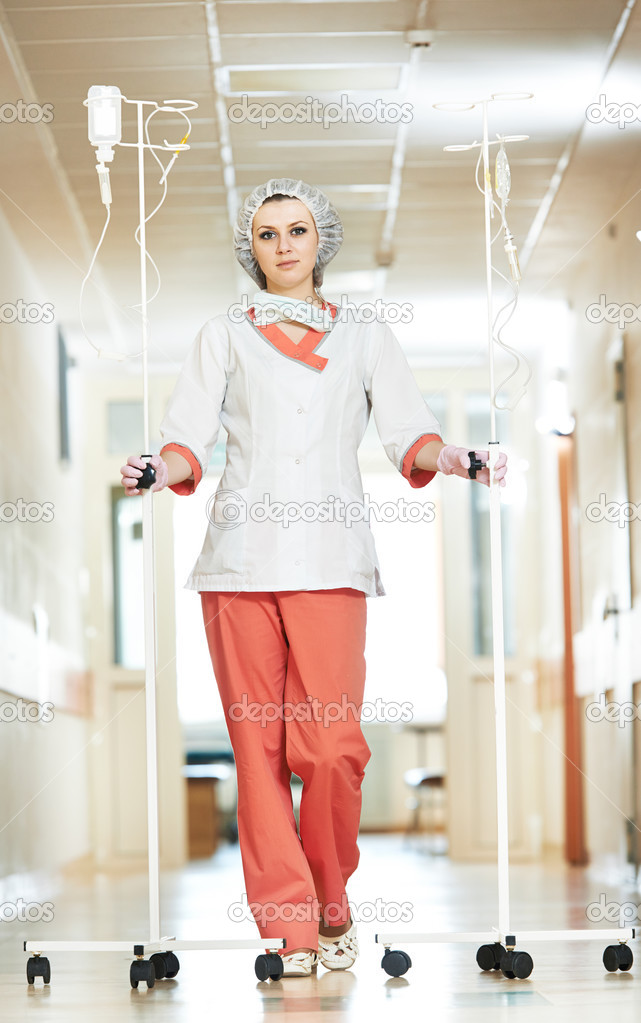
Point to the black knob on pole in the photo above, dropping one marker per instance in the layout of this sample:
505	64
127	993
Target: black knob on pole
475	465
148	477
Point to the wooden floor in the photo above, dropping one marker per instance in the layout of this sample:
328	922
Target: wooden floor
444	983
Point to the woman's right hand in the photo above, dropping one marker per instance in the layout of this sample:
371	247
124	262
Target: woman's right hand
452	459
132	471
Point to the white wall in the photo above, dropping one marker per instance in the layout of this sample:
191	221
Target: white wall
610	265
44	800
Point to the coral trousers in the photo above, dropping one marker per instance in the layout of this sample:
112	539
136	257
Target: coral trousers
290	669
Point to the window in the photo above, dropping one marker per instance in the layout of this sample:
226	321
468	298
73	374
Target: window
128	616
125	427
64	362
478	432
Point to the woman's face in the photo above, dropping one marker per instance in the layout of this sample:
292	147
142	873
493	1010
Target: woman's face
285	243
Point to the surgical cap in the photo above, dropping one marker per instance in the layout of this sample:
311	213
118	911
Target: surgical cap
326	218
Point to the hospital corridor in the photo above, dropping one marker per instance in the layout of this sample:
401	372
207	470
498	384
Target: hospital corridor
320	510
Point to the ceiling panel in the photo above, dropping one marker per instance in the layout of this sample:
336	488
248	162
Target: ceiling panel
96	22
312	78
340	16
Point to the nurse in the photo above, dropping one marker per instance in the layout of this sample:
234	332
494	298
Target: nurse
288	558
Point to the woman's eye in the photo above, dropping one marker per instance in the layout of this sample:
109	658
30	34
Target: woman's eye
270	234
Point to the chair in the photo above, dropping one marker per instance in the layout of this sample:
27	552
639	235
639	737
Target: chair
425	785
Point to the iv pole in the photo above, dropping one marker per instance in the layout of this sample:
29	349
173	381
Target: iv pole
500	951
163	963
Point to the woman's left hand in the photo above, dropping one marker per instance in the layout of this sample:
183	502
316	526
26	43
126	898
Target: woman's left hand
453	460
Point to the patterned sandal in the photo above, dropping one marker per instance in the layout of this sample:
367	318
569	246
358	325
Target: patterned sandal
299	964
339	953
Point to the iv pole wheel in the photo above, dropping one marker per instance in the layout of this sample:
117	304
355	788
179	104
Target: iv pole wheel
617	957
517	965
396	963
165	964
38	966
488	957
142	969
269	966
172	965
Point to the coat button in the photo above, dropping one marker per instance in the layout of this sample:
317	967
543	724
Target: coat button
297	461
299	410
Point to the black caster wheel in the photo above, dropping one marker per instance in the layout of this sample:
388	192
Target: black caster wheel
157	960
172	965
165	964
38	966
142	969
488	957
517	965
269	966
396	963
617	957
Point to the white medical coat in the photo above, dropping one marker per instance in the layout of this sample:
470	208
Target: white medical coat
295	415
